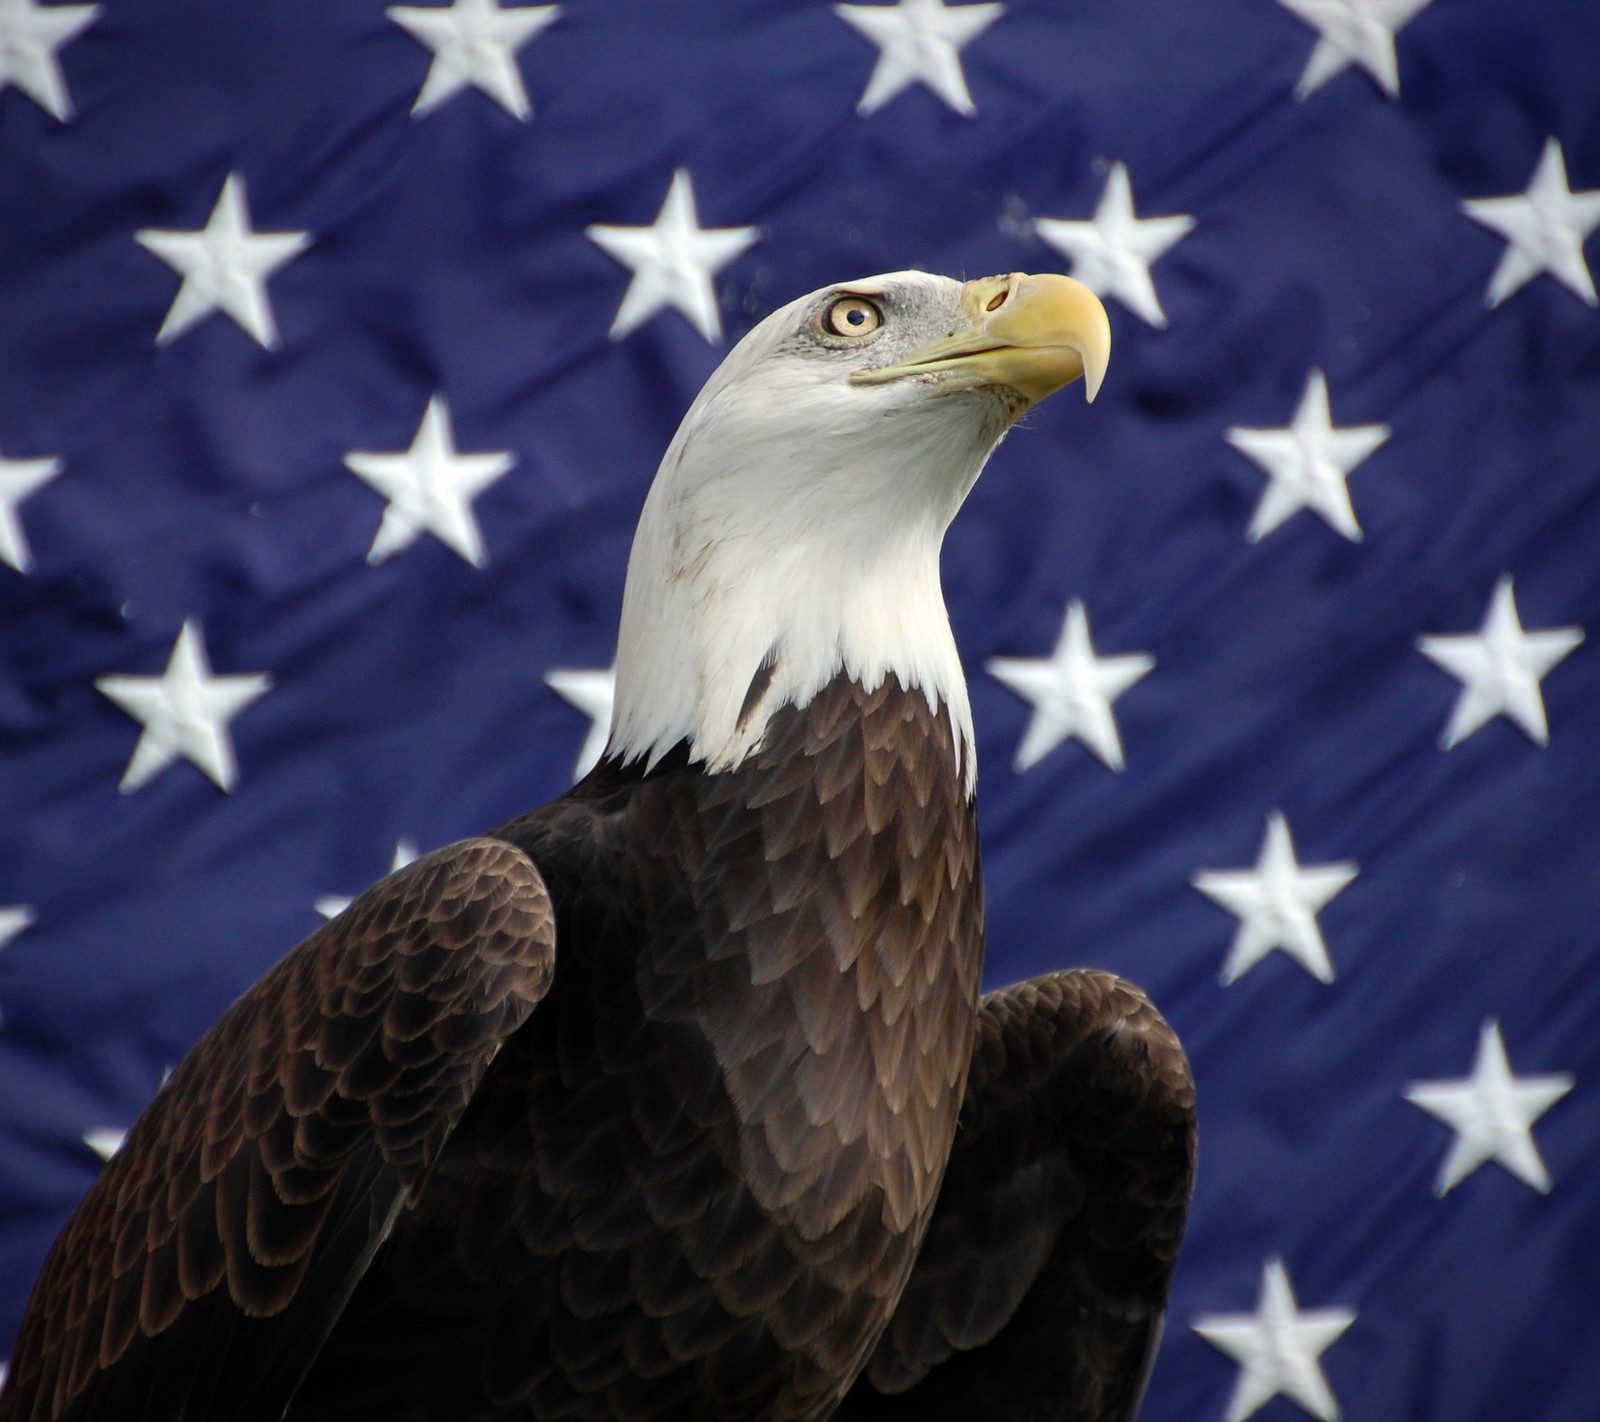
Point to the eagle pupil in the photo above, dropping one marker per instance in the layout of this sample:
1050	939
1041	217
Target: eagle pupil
856	317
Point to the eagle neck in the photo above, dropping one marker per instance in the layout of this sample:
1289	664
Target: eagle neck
727	621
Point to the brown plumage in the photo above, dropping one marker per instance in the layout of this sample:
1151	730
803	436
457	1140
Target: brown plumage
654	1104
1039	1290
207	1263
690	1184
702	1175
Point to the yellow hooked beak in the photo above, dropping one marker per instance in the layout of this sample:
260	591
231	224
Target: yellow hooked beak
1031	333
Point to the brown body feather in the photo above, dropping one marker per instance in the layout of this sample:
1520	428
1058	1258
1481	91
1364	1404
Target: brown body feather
694	1182
205	1266
1039	1292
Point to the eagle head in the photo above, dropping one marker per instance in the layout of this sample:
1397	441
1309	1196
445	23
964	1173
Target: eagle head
793	529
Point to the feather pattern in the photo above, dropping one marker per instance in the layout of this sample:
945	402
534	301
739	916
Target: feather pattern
203	1269
696	1181
1039	1292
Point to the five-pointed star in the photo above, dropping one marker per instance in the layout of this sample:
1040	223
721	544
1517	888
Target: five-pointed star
919	42
185	712
18	479
1277	1348
1111	253
1306	463
224	266
1500	668
1071	691
593	692
1353	32
30	35
332	905
1276	904
672	261
1492	1113
474	42
1545	229
430	488
13	919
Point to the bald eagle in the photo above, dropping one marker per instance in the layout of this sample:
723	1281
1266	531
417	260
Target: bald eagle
677	1098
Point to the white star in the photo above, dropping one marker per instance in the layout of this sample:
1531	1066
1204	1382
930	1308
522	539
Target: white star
1545	229
1277	1348
1492	1113
593	693
1071	691
332	905
1306	463
474	42
1112	252
104	1141
1353	32
13	920
672	261
430	488
1500	668
1276	904
18	479
30	35
919	42
185	712
224	266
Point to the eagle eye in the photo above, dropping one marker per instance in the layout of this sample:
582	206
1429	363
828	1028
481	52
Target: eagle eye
851	316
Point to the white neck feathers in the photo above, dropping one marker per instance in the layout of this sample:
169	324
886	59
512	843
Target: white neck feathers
695	638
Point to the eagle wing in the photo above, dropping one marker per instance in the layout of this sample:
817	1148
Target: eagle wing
205	1267
1041	1286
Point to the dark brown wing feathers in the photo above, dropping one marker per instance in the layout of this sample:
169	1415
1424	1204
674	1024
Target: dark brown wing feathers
1038	1293
703	1168
695	1181
216	1248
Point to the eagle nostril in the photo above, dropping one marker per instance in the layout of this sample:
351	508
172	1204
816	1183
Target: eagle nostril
998	300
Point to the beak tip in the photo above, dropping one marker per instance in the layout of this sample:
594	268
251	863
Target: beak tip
1097	348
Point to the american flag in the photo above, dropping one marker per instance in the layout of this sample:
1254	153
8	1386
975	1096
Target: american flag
338	344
